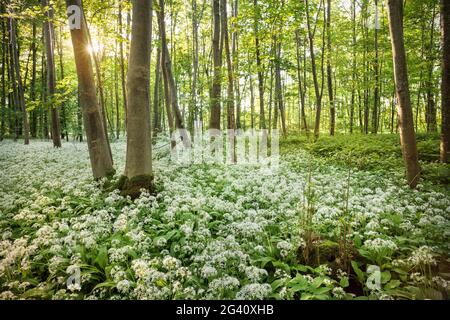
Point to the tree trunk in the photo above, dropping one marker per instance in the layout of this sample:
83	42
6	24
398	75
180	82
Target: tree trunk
122	65
51	73
301	90
262	121
156	94
217	61
376	94
101	161
138	169
405	114
445	39
330	73
17	80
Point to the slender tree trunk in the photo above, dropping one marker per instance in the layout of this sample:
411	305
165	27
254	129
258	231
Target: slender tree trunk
156	94
262	121
352	104
138	169
431	105
34	112
18	81
407	135
330	72
122	64
217	61
445	89
301	91
314	73
51	72
376	94
3	74
101	160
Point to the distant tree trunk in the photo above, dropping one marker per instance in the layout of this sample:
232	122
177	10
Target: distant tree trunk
217	61
116	91
138	169
445	39
431	105
3	98
231	121
405	114
51	73
235	43
330	72
262	121
64	115
166	65
301	90
352	104
252	103
101	160
314	73
18	82
376	94
156	94
33	122
122	66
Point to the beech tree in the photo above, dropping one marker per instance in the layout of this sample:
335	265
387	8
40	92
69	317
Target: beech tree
100	156
445	89
405	114
138	169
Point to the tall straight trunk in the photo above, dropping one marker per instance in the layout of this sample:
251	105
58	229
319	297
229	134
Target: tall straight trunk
376	93
279	103
314	73
330	73
51	72
33	122
235	44
3	75
20	95
431	104
156	94
217	65
122	65
405	114
262	121
116	91
301	90
445	87
231	117
252	103
352	104
167	70
101	160
64	114
138	169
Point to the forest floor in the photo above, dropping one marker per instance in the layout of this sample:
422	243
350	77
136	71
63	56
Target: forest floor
227	232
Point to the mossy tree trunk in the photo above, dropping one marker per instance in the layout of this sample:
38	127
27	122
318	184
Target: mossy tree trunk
138	170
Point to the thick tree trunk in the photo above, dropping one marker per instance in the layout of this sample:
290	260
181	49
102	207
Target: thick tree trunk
445	39
98	146
405	114
51	72
138	169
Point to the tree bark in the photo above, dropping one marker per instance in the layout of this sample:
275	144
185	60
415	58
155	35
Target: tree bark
445	89
138	169
101	160
51	72
20	96
217	65
405	114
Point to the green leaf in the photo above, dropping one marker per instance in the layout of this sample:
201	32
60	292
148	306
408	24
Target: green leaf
344	282
358	271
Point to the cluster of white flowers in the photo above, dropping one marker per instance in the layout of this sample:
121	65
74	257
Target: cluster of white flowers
207	222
